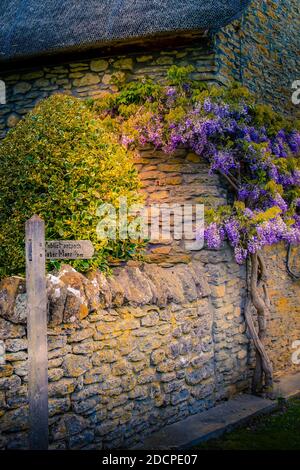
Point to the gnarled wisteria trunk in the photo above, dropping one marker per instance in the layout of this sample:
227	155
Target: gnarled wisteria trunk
259	299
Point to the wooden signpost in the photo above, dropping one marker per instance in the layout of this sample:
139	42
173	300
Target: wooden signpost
37	333
37	250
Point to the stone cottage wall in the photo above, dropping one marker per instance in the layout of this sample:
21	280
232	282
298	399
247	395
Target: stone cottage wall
262	51
181	178
92	78
177	320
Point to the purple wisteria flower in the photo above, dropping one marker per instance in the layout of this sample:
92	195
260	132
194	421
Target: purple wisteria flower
240	254
223	161
232	229
171	91
127	140
248	213
294	142
279	202
254	245
207	106
213	236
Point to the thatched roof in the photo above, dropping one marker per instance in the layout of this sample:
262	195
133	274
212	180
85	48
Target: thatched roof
31	28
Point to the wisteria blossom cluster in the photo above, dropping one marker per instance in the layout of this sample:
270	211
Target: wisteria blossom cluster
249	231
255	149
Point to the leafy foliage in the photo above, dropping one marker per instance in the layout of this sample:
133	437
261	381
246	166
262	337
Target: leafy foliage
61	162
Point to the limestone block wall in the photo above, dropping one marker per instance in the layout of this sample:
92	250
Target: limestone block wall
182	179
140	349
127	354
154	342
262	51
92	77
284	321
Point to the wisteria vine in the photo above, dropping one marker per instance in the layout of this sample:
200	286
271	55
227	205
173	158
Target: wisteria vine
262	166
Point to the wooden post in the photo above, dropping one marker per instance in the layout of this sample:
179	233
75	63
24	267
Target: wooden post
37	333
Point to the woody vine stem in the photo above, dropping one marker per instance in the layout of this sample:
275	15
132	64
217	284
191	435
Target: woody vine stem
257	297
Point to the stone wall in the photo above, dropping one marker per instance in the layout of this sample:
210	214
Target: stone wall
284	322
91	78
140	349
127	354
262	51
181	178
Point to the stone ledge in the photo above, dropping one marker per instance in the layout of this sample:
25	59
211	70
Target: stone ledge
72	296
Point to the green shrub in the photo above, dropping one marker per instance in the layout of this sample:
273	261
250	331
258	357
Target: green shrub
62	162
